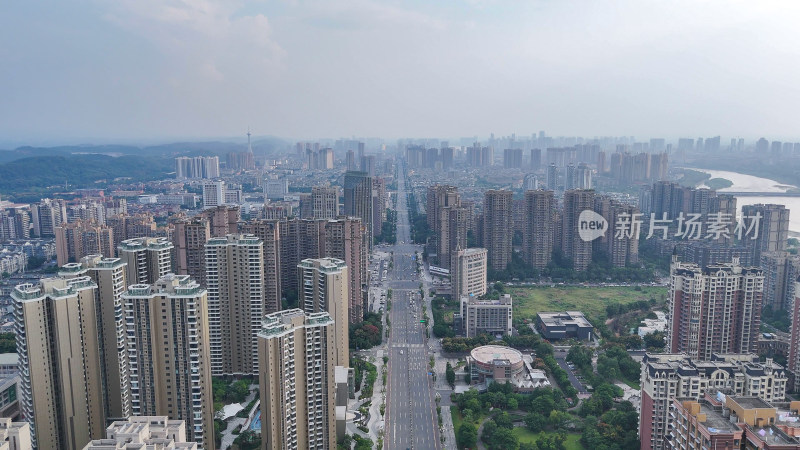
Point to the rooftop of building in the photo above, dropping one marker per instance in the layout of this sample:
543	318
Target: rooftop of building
8	359
504	300
750	402
154	243
496	354
563	318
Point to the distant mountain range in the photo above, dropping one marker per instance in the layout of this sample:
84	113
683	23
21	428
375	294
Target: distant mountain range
261	145
28	172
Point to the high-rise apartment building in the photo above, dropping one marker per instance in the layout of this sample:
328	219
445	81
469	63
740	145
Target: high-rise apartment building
468	276
196	167
773	228
344	240
78	239
452	233
512	158
324	288
379	200
552	177
620	245
145	433
61	389
537	235
296	353
269	234
665	377
793	359
235	284
498	227
189	239
358	200
47	215
713	309
213	193
325	202
168	346
781	270
147	259
109	276
573	247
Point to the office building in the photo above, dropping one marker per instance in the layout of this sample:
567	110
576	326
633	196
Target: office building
276	189
78	239
110	277
468	275
324	288
296	357
189	239
493	317
61	391
144	433
564	325
168	346
772	232
236	302
213	193
498	227
537	234
325	202
573	247
713	309
358	200
665	377
147	259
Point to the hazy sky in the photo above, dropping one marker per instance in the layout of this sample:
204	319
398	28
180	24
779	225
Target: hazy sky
448	68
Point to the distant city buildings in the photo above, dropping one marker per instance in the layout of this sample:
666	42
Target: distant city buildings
196	167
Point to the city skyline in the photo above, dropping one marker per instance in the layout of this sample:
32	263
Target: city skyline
704	69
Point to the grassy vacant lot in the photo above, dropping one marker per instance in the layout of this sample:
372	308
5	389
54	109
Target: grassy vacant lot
591	300
526	436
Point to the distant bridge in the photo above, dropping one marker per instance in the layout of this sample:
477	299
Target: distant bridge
761	194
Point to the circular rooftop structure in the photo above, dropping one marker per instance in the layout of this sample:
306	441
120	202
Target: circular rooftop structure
491	357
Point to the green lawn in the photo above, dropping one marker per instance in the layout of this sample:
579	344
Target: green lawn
526	436
591	301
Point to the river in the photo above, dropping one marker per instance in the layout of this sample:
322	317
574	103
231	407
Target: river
749	183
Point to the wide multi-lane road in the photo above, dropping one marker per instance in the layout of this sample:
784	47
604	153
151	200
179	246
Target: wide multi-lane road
411	412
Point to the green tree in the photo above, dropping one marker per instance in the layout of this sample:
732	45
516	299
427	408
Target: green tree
450	374
467	436
535	422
